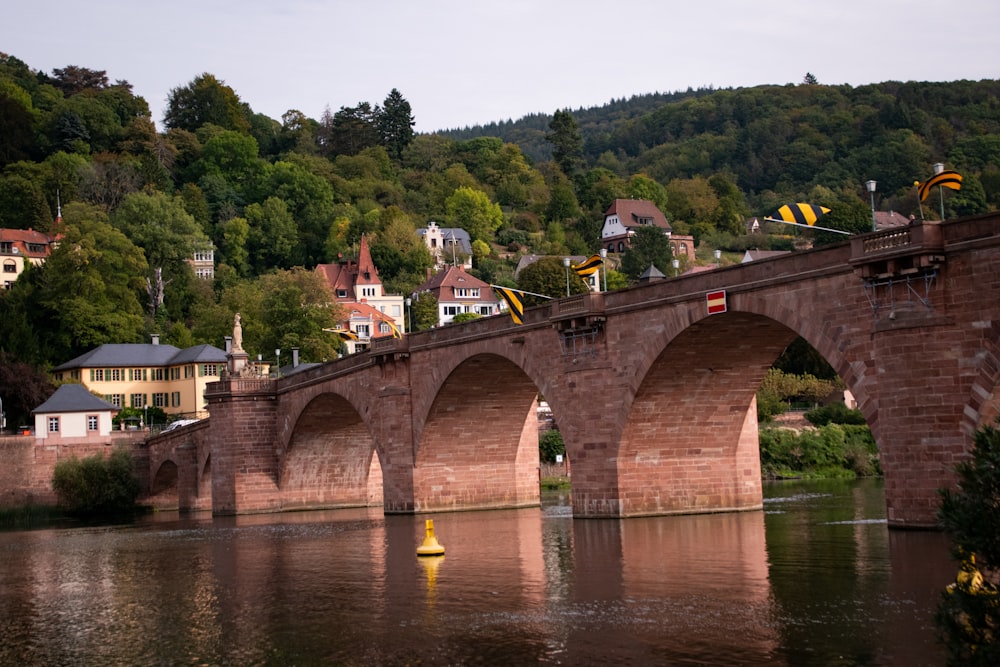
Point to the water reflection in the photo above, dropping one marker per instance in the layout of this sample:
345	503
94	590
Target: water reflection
814	579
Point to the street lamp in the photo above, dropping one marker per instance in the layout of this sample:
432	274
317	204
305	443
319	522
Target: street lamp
871	191
145	414
277	355
409	317
604	267
566	264
718	257
677	265
938	168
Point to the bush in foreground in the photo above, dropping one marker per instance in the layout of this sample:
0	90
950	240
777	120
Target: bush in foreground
95	484
969	612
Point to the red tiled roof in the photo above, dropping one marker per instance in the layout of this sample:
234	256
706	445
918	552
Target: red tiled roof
446	281
630	211
21	238
347	274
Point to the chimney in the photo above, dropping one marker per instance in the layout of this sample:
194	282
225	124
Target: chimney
295	357
154	339
229	344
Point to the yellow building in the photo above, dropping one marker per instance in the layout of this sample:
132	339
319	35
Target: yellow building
148	374
20	247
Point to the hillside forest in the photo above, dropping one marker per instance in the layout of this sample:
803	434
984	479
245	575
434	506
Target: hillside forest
275	197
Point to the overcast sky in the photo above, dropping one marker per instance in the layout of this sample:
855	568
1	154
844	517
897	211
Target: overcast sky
463	62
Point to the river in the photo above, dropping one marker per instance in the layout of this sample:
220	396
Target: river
815	579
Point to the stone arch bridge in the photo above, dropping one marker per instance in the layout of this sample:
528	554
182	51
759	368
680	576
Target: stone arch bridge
653	391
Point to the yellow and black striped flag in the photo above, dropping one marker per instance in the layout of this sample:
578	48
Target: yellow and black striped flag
801	214
346	334
513	300
396	333
589	267
946	179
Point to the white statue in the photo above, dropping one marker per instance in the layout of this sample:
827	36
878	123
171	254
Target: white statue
237	334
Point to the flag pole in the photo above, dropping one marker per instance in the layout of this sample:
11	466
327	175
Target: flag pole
519	291
795	224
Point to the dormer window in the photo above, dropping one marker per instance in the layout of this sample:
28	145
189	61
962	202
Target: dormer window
341	294
6	247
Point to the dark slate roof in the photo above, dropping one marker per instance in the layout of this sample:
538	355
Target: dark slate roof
124	355
73	398
199	354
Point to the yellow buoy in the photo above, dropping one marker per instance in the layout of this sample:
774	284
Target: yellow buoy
430	547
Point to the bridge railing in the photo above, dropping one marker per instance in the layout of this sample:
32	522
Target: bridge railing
237	385
916	248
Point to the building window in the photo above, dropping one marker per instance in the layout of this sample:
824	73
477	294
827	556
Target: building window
137	400
137	374
175	373
175	399
204	273
157	374
6	247
9	266
113	374
341	294
97	375
91	422
115	399
159	400
367	291
188	372
486	310
363	331
205	256
36	248
53	424
451	310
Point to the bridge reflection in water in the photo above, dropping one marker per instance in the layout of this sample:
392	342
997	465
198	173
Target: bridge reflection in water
815	578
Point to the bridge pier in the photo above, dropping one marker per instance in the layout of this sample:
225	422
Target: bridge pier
244	462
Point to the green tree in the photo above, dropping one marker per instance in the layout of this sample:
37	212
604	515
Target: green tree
969	611
548	276
395	124
162	227
205	100
424	311
272	236
650	246
567	145
550	445
87	292
473	211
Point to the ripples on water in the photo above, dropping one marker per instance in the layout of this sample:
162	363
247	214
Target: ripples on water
815	579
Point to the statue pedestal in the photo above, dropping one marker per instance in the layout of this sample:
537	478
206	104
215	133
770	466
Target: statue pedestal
237	362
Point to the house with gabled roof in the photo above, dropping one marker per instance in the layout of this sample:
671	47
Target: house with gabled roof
448	245
73	415
624	216
358	289
148	374
459	292
20	247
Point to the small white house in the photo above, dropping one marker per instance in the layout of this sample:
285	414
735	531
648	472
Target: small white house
73	413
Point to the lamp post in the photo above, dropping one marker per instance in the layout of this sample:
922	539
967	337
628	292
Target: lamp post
677	265
566	264
277	355
145	414
718	257
871	191
409	317
938	168
604	267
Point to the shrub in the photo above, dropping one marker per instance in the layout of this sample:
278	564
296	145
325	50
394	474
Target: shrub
95	484
969	611
833	450
549	445
835	413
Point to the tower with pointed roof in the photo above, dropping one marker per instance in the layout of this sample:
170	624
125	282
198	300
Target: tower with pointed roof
358	289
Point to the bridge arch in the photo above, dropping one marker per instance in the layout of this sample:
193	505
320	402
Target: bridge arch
477	444
330	459
164	486
689	440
